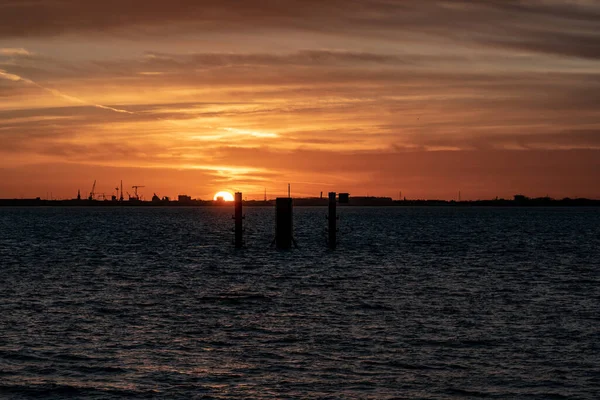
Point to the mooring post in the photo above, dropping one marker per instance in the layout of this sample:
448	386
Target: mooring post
332	219
283	223
239	228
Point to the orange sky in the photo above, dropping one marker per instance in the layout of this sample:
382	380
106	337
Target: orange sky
425	97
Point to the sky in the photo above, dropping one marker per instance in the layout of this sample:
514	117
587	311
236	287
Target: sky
372	97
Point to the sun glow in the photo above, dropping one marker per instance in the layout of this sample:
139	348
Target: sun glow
226	196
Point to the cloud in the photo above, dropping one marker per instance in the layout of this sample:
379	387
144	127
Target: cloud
58	93
11	77
251	133
298	58
582	45
7	51
557	27
550	140
66	16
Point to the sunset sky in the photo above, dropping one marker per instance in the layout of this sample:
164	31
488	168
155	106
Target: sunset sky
492	98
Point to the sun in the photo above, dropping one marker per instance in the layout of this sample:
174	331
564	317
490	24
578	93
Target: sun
224	195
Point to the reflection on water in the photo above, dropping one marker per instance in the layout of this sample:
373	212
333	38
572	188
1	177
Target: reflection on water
416	302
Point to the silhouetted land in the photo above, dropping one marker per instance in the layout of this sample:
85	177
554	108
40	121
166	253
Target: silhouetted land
517	201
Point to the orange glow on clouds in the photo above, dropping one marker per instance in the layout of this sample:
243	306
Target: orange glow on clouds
371	98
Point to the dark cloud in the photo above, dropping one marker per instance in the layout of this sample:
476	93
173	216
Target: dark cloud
300	58
55	17
582	45
558	27
561	139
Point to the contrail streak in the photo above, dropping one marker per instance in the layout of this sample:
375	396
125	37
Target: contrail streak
57	93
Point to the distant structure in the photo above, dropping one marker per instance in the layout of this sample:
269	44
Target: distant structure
520	199
184	200
136	196
344	198
92	192
78	195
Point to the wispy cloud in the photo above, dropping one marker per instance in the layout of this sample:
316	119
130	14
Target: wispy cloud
558	27
251	133
7	51
58	93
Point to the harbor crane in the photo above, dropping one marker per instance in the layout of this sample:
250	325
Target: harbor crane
92	194
135	191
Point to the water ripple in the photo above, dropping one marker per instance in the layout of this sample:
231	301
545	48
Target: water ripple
441	303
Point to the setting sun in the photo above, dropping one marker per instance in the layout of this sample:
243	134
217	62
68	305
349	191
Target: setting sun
225	195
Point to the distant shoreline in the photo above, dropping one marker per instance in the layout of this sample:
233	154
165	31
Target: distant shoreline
518	201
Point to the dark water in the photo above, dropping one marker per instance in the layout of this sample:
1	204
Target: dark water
437	303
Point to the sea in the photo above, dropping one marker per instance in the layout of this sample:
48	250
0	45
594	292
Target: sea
415	303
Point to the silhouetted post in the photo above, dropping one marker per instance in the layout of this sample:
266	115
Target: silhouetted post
332	218
283	223
239	229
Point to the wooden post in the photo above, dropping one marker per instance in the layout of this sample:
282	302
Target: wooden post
239	228
332	219
283	223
